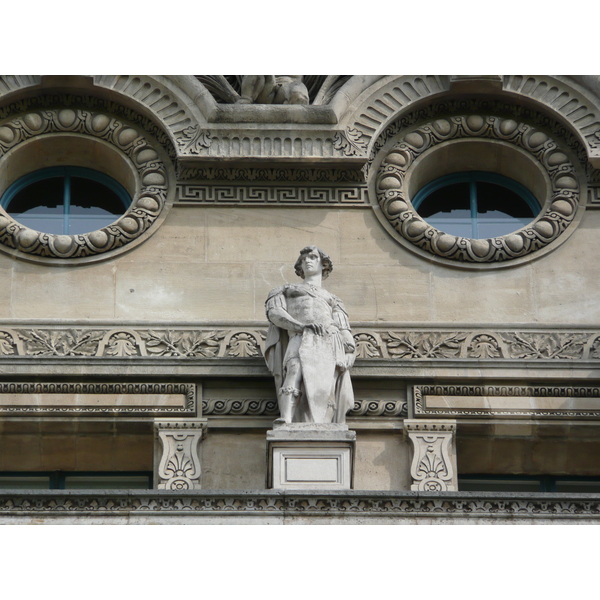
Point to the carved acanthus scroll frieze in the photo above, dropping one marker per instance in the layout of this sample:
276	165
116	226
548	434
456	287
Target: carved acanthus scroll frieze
145	209
350	142
193	139
557	214
374	343
179	463
433	467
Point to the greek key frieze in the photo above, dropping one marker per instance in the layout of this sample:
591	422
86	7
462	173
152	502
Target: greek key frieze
594	197
252	194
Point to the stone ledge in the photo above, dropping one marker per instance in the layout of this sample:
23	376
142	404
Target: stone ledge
345	507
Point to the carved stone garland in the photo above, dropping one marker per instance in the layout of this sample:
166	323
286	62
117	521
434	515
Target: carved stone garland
145	209
557	214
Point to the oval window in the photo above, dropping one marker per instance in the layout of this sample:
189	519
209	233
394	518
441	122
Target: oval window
476	204
66	200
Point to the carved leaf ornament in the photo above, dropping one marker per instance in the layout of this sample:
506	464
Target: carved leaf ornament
145	208
557	214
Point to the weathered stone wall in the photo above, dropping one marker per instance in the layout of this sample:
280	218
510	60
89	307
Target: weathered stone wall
218	264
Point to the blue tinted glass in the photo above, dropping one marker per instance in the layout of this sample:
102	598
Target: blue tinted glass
40	198
459	227
68	200
476	204
494	224
46	223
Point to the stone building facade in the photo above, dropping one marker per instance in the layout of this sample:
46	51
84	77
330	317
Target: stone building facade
133	387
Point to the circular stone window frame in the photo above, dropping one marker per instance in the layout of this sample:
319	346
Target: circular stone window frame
549	168
121	150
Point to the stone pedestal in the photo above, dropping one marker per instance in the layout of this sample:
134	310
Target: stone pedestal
433	467
176	457
310	456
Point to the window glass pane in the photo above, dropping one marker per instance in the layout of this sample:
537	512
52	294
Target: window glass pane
47	224
85	224
451	199
26	482
92	197
107	482
590	487
498	485
41	198
492	198
94	202
493	224
458	227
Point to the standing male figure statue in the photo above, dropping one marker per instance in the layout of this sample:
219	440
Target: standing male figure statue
309	346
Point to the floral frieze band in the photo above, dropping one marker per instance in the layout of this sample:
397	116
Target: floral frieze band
372	343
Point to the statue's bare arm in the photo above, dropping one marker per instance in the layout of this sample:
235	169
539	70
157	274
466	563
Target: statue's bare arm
281	318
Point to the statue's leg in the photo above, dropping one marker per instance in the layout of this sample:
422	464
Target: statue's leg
268	90
252	86
289	393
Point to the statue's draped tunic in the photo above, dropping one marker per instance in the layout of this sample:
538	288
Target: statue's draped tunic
326	394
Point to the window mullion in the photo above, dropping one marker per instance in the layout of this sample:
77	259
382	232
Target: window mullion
66	204
473	200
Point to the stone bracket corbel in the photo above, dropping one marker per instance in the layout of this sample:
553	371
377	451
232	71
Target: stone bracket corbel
433	467
176	453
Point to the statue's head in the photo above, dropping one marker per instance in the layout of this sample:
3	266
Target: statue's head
325	261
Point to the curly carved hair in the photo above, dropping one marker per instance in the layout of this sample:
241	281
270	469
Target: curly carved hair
325	261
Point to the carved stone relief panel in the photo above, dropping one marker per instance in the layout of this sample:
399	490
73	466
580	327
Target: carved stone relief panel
490	401
433	467
178	460
494	345
97	399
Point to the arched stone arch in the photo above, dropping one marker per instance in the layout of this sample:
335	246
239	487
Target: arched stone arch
180	105
366	106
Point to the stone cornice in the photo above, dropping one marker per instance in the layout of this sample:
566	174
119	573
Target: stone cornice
352	506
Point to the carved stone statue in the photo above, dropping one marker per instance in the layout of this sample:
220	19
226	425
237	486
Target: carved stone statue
273	89
309	346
